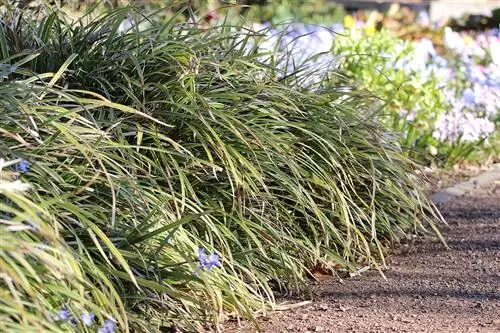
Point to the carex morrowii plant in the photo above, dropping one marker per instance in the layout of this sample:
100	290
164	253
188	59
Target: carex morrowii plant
145	148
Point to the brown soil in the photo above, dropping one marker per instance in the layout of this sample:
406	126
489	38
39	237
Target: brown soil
427	288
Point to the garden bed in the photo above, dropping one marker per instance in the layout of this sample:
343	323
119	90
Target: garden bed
161	171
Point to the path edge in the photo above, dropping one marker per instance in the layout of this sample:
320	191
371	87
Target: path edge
463	188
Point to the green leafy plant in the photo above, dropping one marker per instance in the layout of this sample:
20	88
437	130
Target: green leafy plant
414	90
315	12
411	101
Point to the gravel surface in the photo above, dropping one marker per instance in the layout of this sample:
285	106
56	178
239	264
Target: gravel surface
428	288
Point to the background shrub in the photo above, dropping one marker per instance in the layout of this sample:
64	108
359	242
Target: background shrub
441	102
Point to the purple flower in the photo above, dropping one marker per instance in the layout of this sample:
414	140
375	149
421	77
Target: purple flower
87	318
208	262
459	126
23	166
108	327
63	314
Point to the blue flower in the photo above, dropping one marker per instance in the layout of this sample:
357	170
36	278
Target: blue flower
23	166
63	314
468	96
208	262
87	318
108	327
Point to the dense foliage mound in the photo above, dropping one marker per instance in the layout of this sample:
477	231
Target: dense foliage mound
174	176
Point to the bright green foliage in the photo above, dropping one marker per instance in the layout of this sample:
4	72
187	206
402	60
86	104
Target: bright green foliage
411	101
147	145
304	11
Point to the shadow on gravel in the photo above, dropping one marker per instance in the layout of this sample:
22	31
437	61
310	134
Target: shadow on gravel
482	245
472	213
462	281
416	293
457	245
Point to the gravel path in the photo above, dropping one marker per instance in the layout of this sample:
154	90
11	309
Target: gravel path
428	288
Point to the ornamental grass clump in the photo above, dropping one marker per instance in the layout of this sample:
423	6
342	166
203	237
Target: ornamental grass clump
173	175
